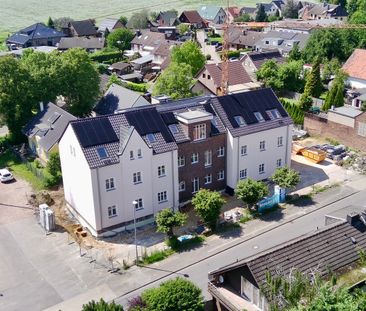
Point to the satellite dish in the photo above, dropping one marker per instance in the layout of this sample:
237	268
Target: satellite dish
221	279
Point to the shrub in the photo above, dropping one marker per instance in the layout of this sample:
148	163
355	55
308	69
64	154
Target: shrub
104	56
137	87
101	305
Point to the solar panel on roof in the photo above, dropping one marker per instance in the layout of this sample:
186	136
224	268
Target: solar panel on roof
92	132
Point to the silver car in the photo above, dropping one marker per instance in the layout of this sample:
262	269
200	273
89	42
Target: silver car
5	175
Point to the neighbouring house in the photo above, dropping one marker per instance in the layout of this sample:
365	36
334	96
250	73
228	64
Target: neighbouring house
209	79
160	155
167	19
45	129
143	63
85	28
118	98
35	35
355	69
326	11
238	286
281	41
121	68
212	14
242	38
272	8
90	44
252	61
193	18
232	13
146	41
109	25
162	54
251	11
345	124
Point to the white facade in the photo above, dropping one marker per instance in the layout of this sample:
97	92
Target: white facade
92	203
356	83
273	153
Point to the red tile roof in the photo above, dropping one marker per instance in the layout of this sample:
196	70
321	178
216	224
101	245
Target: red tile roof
193	17
356	64
234	11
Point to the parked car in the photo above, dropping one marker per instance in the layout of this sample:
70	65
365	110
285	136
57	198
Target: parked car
5	175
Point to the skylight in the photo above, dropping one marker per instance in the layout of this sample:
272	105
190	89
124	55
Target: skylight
239	120
274	114
102	153
173	128
259	116
151	138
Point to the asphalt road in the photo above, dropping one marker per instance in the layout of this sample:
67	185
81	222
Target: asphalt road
198	272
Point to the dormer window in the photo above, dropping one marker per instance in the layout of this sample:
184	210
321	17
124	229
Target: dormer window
199	132
240	120
274	114
173	128
102	153
259	116
151	138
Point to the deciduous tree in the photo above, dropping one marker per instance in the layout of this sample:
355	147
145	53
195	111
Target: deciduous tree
101	305
139	20
290	9
167	219
250	191
120	39
123	20
286	177
261	15
189	53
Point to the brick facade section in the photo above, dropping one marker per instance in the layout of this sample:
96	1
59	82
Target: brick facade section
190	171
345	135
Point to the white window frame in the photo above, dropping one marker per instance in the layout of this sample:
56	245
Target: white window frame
139	153
110	184
208	158
137	178
194	158
274	114
243	174
182	186
131	155
112	211
162	197
195	184
221	175
140	204
199	132
239	121
208	179
261	168
243	150
262	145
221	152
279	141
259	116
181	161
279	163
161	171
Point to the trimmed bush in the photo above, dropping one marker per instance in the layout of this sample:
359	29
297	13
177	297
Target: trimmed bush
103	56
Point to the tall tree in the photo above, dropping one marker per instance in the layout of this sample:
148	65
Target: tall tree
167	219
290	9
189	53
79	81
120	39
261	15
251	191
175	81
314	86
50	22
61	22
15	100
123	20
139	20
295	53
207	205
268	73
335	96
286	177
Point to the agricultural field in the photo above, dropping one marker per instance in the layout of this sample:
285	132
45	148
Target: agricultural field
15	14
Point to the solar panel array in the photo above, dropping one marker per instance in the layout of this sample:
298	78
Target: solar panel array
148	121
95	131
169	118
246	103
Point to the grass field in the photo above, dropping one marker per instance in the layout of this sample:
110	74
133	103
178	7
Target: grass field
15	14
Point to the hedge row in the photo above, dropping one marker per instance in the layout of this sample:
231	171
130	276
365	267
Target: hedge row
294	111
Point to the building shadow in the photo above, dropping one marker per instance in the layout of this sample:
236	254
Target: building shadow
229	231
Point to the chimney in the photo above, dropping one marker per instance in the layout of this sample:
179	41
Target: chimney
353	218
41	106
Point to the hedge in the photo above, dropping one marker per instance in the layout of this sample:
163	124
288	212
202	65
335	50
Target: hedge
294	111
138	87
103	56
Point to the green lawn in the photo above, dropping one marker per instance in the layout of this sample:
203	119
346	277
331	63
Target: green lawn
20	170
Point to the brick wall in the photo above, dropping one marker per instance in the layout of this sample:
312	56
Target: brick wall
345	135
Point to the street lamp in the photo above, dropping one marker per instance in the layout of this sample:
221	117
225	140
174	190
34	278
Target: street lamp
135	205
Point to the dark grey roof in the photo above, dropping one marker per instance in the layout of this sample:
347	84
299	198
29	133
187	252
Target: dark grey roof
35	31
327	249
324	9
118	98
245	104
148	38
286	40
168	18
259	58
84	28
120	65
48	125
108	23
81	42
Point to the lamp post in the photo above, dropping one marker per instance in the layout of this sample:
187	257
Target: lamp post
135	204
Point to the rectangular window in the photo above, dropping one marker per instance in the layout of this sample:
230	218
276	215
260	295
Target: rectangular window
139	204
261	168
208	179
274	114
131	155
137	178
209	77
199	132
243	150
243	174
239	120
109	184
208	158
161	171
194	158
112	211
139	153
195	184
221	152
259	116
221	175
162	197
262	145
279	141
203	75
181	161
279	163
182	186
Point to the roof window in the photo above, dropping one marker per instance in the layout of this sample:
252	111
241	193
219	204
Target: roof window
151	138
102	153
259	116
239	120
274	114
173	128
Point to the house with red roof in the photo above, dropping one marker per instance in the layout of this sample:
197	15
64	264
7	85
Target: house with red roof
355	69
